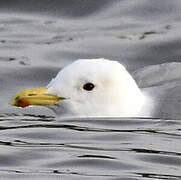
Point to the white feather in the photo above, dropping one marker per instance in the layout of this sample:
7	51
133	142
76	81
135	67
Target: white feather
115	93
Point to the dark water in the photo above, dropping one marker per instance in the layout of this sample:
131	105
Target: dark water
37	38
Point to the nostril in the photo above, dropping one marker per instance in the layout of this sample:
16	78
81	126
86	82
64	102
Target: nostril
32	94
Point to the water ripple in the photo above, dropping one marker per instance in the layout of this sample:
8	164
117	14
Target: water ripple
103	148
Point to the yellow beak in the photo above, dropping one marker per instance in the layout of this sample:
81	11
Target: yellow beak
37	96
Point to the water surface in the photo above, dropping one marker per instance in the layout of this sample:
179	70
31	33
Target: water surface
37	39
94	148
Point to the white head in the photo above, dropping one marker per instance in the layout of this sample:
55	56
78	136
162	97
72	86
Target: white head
96	87
88	87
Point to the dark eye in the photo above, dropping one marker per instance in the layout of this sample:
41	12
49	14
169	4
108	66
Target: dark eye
88	86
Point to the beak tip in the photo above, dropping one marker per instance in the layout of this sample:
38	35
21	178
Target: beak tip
20	103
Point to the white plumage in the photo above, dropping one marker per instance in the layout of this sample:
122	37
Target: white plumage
115	92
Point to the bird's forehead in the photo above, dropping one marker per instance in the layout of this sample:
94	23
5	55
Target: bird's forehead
84	70
87	73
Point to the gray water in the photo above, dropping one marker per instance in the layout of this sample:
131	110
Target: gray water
42	147
37	39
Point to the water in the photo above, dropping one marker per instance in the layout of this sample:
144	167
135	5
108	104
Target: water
37	38
38	147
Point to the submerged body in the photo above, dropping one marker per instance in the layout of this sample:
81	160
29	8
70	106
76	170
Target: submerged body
88	87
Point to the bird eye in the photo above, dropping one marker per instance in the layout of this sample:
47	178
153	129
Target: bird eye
88	86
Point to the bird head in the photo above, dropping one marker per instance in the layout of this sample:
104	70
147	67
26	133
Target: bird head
88	87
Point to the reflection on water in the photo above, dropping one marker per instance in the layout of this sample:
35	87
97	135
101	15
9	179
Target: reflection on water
95	148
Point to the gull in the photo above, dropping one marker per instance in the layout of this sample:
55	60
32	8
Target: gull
88	87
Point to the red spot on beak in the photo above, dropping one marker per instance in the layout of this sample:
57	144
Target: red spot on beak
23	103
